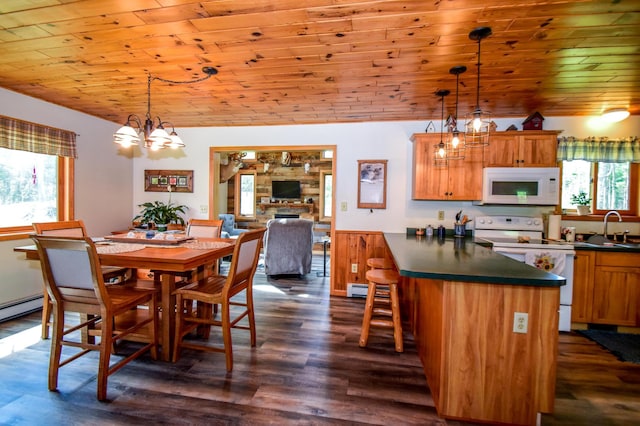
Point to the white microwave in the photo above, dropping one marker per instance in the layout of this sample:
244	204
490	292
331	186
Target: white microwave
521	185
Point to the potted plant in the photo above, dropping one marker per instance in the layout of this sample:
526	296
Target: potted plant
582	202
161	214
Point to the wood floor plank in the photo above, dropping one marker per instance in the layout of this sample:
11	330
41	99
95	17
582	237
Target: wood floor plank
306	368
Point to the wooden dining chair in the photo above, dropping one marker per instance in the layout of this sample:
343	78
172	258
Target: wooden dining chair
74	282
69	228
219	289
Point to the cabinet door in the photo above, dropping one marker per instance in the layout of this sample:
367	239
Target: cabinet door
465	177
583	267
429	181
537	151
615	295
502	150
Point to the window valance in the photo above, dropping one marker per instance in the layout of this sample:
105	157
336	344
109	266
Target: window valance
599	149
27	136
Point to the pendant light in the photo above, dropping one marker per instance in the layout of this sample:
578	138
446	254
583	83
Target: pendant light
478	122
456	143
440	155
154	135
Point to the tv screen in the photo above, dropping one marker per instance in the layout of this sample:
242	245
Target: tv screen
285	189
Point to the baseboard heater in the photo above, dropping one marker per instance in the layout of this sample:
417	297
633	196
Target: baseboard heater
357	290
19	308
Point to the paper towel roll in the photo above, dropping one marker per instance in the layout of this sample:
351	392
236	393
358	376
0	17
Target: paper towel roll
554	226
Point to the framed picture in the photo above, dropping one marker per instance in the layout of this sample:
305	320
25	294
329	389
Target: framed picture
161	180
372	184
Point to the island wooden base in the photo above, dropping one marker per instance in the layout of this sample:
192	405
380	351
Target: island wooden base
477	368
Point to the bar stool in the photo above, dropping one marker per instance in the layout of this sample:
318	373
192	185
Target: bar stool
379	263
387	316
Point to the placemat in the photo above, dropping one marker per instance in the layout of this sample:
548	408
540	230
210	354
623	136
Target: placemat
205	245
112	248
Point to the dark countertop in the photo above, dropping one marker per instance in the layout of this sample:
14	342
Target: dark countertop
619	247
460	259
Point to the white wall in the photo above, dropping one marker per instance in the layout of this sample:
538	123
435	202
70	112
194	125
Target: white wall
358	141
103	192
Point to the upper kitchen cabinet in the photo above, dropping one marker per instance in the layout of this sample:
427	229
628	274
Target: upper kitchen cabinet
458	180
522	149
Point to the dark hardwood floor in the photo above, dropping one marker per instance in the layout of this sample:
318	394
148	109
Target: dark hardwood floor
307	368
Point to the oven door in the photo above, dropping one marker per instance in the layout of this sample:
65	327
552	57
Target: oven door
566	271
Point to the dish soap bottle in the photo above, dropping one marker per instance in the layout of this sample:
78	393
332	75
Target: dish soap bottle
429	231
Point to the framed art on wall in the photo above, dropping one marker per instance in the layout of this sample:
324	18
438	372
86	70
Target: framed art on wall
160	180
372	184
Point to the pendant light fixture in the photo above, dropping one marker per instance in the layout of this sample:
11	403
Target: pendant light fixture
154	135
479	122
456	143
440	155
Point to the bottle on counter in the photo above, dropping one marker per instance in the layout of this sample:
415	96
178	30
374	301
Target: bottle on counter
429	231
441	232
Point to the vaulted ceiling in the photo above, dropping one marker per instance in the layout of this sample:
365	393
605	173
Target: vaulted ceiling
321	61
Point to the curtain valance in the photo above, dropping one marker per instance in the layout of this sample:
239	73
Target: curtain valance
599	149
27	136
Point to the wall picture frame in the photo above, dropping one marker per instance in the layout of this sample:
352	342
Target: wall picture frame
160	180
372	184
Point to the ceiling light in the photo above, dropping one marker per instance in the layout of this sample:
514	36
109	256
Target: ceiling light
153	131
478	122
614	115
440	150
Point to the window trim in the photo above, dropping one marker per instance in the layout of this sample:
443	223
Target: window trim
321	216
237	189
66	200
632	215
633	192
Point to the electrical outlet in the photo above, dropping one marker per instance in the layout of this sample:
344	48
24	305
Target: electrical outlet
520	322
440	214
354	267
204	208
343	206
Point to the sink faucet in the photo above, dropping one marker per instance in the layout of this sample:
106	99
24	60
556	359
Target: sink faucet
606	218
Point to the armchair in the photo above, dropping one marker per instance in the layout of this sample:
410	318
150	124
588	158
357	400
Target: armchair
288	245
229	229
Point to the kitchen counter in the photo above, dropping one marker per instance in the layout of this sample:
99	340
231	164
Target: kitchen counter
461	301
460	259
616	247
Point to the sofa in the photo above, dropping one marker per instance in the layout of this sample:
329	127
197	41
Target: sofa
288	245
229	229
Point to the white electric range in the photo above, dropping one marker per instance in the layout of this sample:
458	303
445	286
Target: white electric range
521	238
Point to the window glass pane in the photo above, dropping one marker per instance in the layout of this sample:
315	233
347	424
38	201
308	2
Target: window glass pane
613	186
576	177
247	195
328	190
28	187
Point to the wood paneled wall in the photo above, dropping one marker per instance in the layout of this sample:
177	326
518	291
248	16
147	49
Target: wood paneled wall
309	182
354	247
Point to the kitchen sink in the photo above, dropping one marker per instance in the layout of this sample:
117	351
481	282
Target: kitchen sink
607	244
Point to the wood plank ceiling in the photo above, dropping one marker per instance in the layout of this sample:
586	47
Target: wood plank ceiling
321	61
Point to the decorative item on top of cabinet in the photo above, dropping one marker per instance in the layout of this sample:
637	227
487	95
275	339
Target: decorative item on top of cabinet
531	148
459	180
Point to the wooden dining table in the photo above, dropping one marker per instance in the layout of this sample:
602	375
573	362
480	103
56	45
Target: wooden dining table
165	261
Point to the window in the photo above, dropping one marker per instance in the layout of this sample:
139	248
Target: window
611	186
246	194
326	195
30	190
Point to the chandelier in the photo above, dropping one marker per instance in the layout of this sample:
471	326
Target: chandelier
479	122
153	131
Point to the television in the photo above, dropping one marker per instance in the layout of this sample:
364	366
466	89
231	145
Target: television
285	189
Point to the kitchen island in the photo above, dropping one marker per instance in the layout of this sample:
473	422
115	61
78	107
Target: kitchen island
461	300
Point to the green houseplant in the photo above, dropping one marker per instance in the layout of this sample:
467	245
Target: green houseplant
161	214
582	202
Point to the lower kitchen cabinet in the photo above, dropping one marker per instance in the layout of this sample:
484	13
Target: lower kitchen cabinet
607	288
